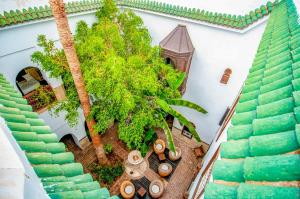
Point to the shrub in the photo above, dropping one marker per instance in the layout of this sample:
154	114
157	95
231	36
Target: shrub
108	148
107	174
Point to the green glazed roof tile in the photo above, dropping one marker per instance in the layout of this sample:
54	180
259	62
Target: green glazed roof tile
219	191
234	171
235	149
297	114
60	175
258	191
264	135
296	84
252	87
14	17
275	124
272	168
246	106
276	76
239	132
243	118
273	144
281	67
275	95
277	84
276	108
249	96
32	136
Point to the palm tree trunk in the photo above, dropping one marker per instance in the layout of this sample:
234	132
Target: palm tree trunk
66	40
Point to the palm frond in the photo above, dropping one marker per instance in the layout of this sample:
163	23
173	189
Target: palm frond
176	83
164	125
167	108
182	102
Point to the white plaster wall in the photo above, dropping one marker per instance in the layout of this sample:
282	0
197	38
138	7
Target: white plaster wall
12	172
61	128
297	3
19	180
215	50
17	43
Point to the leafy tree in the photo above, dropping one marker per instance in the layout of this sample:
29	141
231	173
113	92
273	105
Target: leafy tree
126	77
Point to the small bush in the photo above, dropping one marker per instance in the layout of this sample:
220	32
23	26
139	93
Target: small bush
107	174
108	148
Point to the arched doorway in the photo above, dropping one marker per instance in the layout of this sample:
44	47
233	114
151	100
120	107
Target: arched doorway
87	131
69	141
168	60
34	88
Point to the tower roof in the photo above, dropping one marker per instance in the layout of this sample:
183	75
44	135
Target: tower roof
178	41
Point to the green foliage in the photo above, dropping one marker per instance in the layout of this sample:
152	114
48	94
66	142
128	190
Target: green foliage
108	148
169	137
107	174
176	82
41	97
181	102
166	107
108	10
149	139
122	71
53	60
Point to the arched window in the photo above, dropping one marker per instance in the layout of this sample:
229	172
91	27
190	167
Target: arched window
226	76
34	88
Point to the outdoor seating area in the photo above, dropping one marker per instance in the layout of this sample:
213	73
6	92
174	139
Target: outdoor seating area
161	176
163	166
142	188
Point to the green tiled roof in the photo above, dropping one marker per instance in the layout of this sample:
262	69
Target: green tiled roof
59	174
222	19
261	157
13	17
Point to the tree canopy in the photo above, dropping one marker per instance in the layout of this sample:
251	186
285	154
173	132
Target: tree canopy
125	76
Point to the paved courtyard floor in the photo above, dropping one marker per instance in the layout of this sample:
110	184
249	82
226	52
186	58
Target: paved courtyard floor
183	175
178	184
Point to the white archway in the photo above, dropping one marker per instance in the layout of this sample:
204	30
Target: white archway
34	88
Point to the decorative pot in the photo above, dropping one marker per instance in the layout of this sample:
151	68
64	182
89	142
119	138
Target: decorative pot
175	156
159	146
127	189
156	188
165	169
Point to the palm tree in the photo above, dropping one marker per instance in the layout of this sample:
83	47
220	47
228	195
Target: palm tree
66	40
